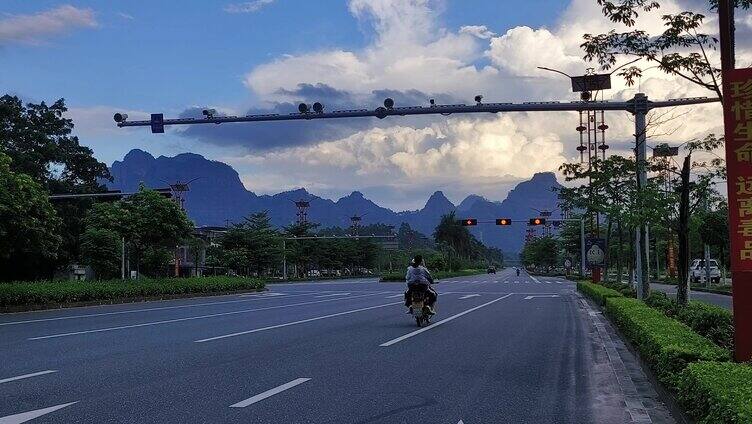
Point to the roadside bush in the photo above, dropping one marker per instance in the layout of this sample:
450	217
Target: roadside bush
713	322
61	292
717	393
666	344
597	292
623	288
662	302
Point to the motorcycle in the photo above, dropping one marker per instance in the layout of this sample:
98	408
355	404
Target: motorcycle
419	307
518	272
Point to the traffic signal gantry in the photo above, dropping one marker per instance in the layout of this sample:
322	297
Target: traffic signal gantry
533	222
471	222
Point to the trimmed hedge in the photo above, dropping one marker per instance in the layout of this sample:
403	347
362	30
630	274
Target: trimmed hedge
70	291
400	276
717	393
713	322
667	345
597	292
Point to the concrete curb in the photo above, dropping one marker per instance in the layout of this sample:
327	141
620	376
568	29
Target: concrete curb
667	397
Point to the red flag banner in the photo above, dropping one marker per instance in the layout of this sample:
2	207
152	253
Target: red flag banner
738	117
737	113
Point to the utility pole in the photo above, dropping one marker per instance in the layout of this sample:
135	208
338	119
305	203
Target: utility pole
640	104
582	245
122	259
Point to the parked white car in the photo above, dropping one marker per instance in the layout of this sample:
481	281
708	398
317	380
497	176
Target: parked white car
697	271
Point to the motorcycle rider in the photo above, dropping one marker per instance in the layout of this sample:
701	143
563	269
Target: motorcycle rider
417	275
518	271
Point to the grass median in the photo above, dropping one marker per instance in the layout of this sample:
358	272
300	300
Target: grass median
39	294
438	275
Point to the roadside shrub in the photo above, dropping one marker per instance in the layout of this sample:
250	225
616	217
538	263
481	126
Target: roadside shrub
717	393
713	322
662	302
623	288
597	292
60	292
666	344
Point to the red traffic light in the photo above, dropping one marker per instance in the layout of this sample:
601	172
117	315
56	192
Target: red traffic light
537	221
503	221
469	222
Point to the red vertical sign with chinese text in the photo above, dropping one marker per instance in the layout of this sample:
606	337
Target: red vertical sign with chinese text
737	113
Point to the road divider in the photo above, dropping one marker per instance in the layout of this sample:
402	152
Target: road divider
287	324
168	321
21	377
444	321
269	393
131	311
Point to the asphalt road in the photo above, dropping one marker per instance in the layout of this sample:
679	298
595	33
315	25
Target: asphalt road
711	298
502	349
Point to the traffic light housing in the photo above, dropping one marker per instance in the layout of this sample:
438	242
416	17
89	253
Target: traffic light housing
503	221
468	222
537	221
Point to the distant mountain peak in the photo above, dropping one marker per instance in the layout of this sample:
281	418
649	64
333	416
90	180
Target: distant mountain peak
438	201
138	155
471	200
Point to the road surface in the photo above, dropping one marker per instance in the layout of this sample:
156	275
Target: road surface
712	298
502	349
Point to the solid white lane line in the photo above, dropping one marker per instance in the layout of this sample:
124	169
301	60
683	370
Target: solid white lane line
131	311
167	321
467	296
534	279
265	294
443	321
542	295
287	324
21	377
28	416
269	393
332	295
396	295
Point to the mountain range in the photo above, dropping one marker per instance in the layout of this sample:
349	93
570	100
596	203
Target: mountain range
217	196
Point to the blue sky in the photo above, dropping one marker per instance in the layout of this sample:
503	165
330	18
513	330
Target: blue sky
173	56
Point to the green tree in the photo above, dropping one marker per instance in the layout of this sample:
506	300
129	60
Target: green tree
29	227
681	49
152	225
101	249
253	244
541	252
38	139
453	234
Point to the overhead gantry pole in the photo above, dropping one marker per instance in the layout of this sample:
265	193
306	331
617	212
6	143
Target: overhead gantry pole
639	106
383	111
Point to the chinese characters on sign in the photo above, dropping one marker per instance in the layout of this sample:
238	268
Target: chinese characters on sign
738	104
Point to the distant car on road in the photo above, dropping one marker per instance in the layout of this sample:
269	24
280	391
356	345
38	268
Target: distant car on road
491	270
697	271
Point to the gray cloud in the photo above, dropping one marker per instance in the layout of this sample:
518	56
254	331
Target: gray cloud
247	7
35	28
264	136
